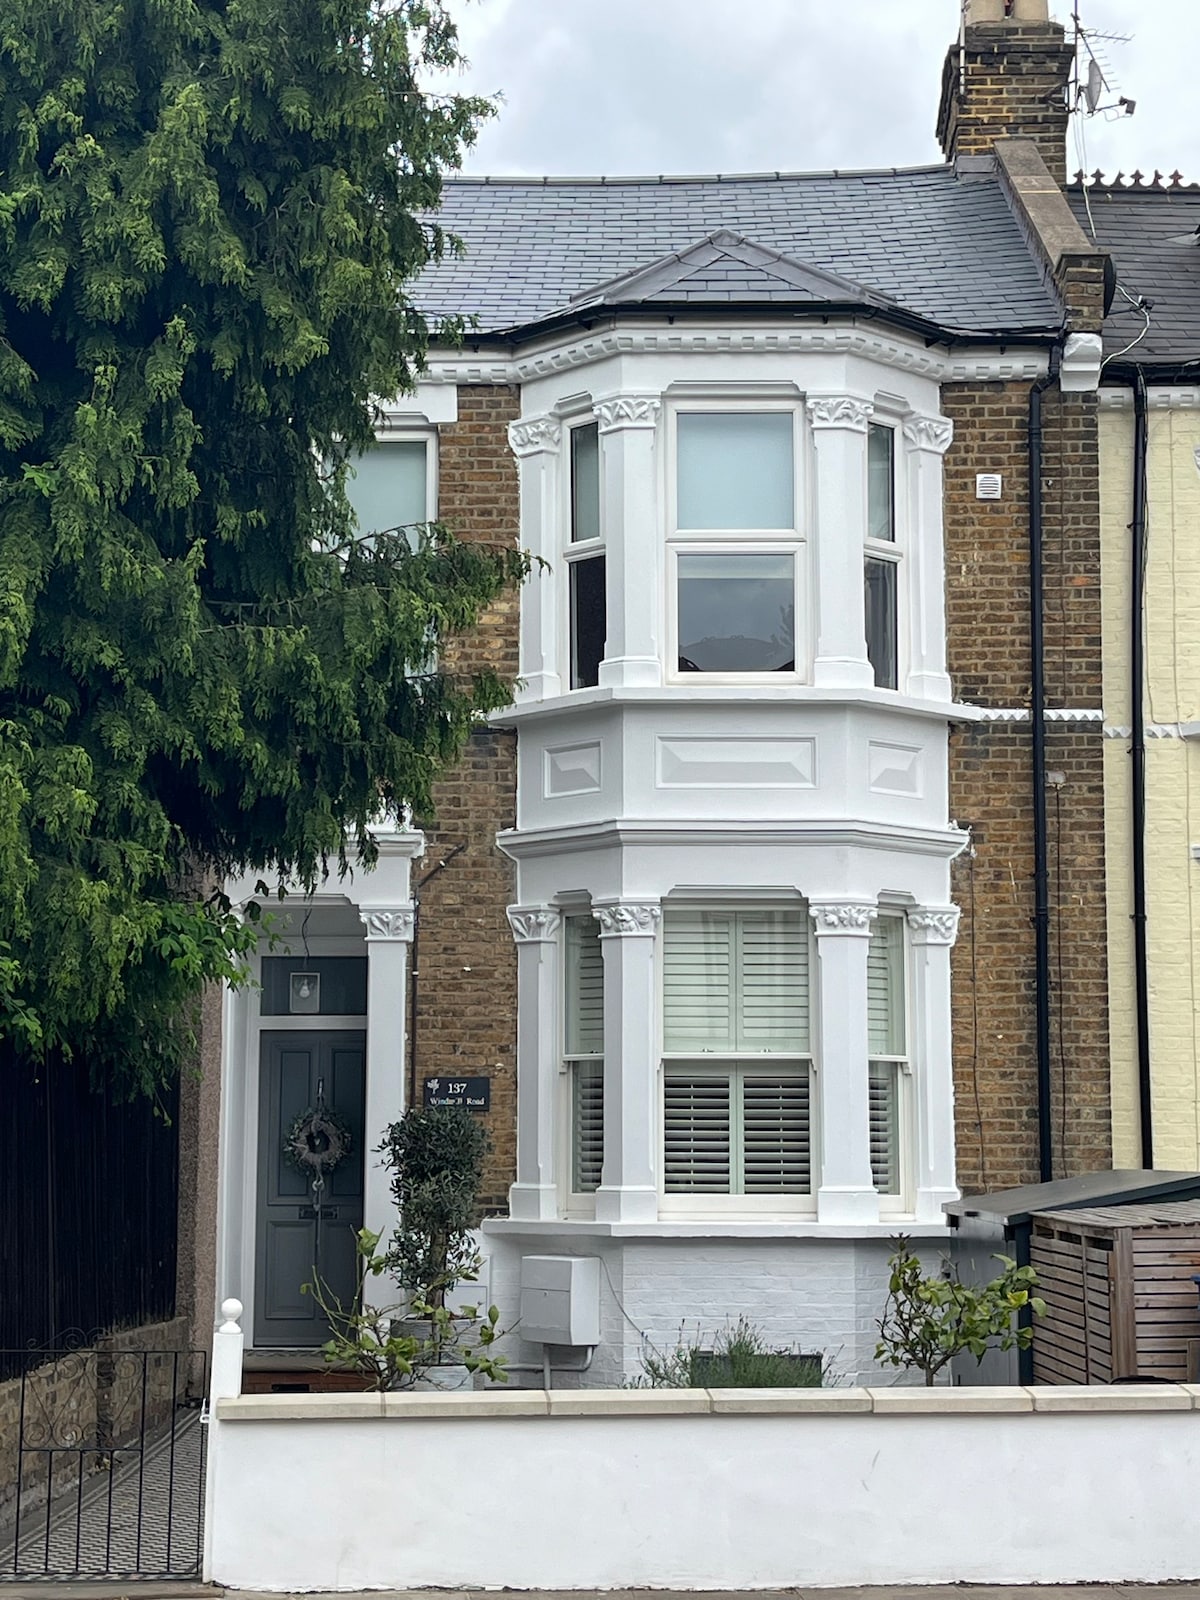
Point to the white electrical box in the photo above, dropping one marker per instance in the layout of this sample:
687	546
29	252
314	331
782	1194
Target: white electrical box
560	1300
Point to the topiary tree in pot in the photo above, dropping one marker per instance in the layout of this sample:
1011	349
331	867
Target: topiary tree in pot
435	1155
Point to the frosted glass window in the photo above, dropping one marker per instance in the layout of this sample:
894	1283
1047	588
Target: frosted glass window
585	482
386	486
737	613
736	470
881	507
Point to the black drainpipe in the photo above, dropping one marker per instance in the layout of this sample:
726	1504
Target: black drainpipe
1137	584
1037	713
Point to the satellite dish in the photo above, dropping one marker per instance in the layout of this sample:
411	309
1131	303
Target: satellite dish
1094	85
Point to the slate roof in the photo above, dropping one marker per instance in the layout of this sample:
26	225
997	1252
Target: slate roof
943	246
1152	236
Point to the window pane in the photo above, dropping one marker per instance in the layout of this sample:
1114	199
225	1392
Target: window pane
386	486
735	470
885	1126
696	1132
588	623
587	1126
881	478
585	482
585	988
698	981
881	621
772	991
776	1156
737	613
885	987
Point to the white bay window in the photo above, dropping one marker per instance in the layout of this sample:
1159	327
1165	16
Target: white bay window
585	559
881	560
736	1067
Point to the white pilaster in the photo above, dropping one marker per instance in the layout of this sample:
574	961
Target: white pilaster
628	425
839	432
536	442
534	1196
389	932
926	441
932	931
628	1189
847	1189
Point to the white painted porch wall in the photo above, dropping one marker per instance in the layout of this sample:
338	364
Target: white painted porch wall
393	1500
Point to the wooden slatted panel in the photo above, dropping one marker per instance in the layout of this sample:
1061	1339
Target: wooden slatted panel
884	1092
697	1145
776	1134
587	1125
1072	1342
585	988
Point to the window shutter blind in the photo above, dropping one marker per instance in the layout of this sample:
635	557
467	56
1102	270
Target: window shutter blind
585	988
587	1125
885	1126
696	1133
885	987
698	981
773	974
775	1134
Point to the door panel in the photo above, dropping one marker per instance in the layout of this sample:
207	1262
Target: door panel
293	1243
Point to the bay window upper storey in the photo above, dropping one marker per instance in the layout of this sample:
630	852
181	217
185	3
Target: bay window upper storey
756	534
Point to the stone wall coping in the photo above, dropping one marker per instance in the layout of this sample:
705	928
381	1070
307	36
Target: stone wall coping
901	1400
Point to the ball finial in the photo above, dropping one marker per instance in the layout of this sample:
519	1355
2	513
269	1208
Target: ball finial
231	1310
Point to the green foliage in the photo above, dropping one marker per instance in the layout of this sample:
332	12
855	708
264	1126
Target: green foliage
435	1155
209	212
738	1357
927	1321
394	1347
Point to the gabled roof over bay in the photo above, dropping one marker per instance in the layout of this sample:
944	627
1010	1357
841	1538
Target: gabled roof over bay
940	244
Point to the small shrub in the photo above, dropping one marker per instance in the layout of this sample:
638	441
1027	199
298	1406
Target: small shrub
738	1357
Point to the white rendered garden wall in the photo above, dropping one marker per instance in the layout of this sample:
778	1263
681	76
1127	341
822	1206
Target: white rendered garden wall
698	1489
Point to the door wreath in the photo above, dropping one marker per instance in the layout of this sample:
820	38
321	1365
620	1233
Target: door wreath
317	1143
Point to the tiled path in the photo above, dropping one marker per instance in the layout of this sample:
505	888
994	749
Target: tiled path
142	1517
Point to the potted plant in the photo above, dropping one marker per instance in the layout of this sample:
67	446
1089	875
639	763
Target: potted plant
435	1157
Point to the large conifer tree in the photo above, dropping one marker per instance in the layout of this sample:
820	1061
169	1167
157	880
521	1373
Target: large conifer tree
209	211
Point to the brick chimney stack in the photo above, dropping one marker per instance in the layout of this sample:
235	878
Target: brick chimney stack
1008	78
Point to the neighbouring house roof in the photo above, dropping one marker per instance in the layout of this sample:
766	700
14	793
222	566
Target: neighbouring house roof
942	245
1153	235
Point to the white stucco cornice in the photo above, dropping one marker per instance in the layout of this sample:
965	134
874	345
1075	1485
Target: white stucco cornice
524	843
570	706
871	342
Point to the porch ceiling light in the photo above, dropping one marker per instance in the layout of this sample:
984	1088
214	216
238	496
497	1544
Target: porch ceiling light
304	993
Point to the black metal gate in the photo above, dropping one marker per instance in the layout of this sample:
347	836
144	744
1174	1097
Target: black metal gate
101	1462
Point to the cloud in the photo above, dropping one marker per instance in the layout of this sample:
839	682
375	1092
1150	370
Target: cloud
649	86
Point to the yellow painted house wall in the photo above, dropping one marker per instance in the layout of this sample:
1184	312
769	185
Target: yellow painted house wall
1171	697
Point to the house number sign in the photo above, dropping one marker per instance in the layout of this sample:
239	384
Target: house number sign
474	1093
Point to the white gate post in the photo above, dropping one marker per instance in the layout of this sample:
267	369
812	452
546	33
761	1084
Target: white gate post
224	1383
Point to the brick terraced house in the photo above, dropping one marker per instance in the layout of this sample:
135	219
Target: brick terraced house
773	910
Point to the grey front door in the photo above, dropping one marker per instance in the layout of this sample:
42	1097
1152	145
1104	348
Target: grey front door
295	1238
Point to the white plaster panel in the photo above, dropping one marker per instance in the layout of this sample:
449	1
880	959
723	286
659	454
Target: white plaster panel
895	769
734	763
572	769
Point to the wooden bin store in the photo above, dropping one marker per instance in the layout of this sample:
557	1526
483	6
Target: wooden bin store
1120	1301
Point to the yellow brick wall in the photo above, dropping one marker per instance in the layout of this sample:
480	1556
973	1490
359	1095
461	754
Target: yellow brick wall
1172	695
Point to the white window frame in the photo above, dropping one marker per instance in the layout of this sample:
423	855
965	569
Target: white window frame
577	1203
429	438
715	1207
577	550
739	541
900	1204
891	551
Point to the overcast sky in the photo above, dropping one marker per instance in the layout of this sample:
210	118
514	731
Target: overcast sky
649	86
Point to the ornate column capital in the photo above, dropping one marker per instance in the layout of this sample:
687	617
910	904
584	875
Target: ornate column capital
618	411
933	924
533	435
849	411
534	924
628	919
849	918
934	434
388	922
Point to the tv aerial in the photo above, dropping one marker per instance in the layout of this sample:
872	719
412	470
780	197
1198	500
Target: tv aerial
1093	86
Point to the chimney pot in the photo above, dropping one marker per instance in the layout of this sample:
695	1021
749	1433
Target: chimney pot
1030	11
984	11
